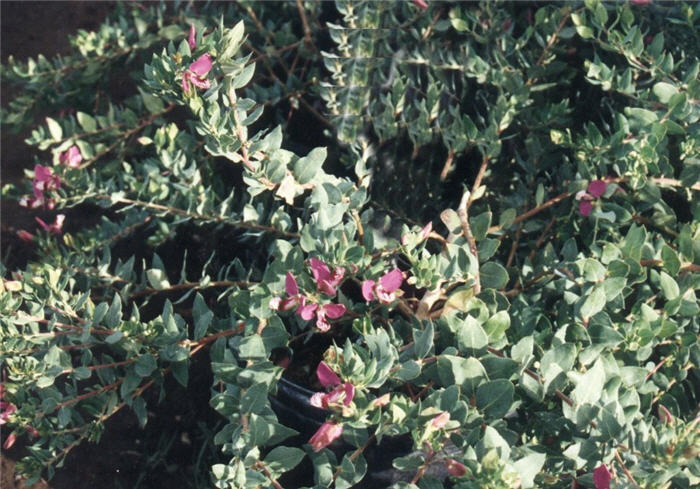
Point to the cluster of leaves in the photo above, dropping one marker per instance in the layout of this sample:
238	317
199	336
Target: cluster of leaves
527	343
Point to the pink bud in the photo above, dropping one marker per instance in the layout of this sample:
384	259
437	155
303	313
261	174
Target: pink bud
9	441
381	401
602	477
440	420
421	4
455	468
191	39
25	235
326	434
665	415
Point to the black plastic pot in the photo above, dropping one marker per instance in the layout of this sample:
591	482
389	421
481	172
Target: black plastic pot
293	409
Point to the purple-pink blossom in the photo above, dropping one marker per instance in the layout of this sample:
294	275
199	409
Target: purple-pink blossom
44	180
326	434
307	307
71	158
325	280
383	290
602	477
344	392
586	197
196	73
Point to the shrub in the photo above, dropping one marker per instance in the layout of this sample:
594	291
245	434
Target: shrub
467	227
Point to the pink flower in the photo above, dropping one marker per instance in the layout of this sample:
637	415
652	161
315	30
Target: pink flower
191	39
332	311
384	290
597	188
25	235
54	228
196	73
44	180
6	409
328	378
665	415
71	158
440	420
455	468
326	434
602	477
325	280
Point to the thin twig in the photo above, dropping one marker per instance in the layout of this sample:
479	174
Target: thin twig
467	232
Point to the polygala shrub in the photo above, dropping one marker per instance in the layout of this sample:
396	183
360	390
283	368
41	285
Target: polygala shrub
470	228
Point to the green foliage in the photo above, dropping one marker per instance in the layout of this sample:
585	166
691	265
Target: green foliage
546	322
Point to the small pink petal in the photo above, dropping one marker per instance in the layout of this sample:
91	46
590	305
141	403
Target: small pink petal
71	158
290	284
326	376
289	303
319	270
597	188
317	400
202	65
185	79
440	420
326	287
368	290
199	83
427	229
334	311
337	276
391	281
307	311
421	4
585	207
326	434
321	323
404	239
349	393
42	224
275	303
602	477
191	38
